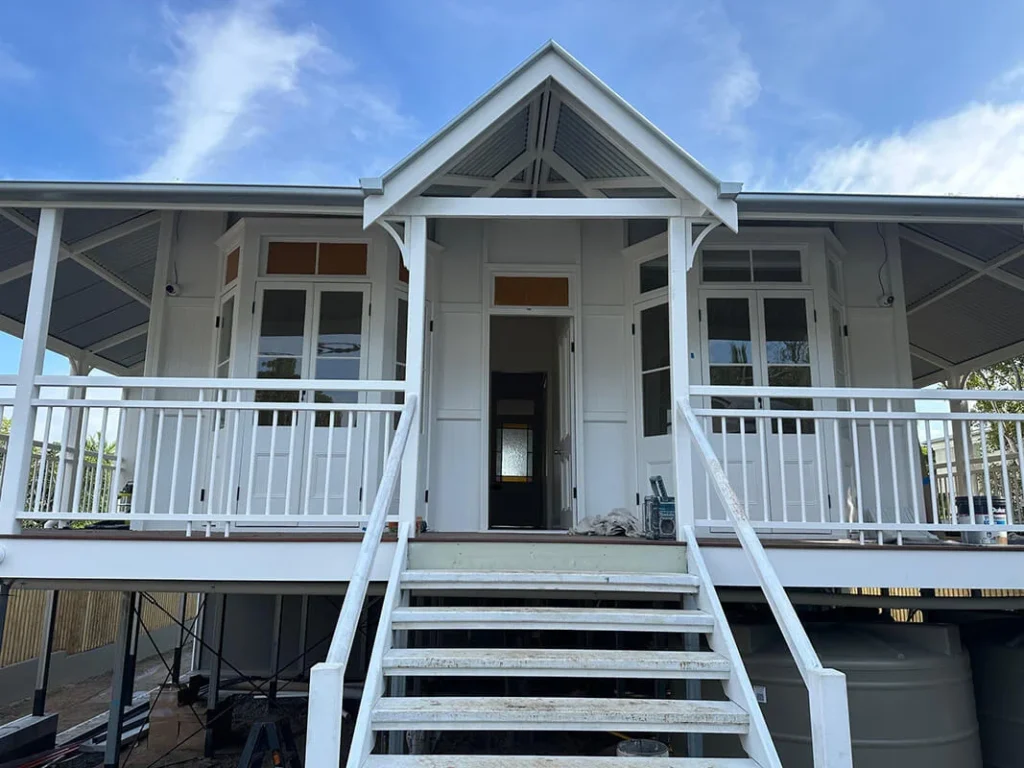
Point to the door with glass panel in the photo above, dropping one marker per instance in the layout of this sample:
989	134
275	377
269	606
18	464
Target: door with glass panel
654	394
306	463
763	338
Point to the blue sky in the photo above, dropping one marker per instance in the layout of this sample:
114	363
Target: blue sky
844	95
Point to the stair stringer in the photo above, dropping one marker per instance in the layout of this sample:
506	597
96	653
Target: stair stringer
363	736
757	743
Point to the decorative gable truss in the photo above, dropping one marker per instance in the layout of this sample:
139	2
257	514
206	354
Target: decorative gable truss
550	130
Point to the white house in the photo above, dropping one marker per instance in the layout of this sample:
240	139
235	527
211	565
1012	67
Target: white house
541	308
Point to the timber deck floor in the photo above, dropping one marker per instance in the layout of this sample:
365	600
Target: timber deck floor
504	537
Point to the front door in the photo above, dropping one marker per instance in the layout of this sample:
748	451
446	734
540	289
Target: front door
305	463
762	338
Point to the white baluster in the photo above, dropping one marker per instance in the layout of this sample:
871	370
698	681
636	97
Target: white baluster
101	453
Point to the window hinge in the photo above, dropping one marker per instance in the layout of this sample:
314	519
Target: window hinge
829	497
426	496
202	494
238	492
360	494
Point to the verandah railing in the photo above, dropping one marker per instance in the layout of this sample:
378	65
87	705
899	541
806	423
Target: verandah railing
872	464
211	452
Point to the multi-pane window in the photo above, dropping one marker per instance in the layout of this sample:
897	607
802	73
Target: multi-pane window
656	382
751	265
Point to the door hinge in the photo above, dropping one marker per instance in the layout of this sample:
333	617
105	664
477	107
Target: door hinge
638	499
574	491
238	492
202	494
572	347
369	309
254	308
634	329
431	326
700	315
216	322
829	497
815	313
846	330
360	494
426	496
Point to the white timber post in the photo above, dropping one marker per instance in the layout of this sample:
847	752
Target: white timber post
831	743
416	262
679	246
33	348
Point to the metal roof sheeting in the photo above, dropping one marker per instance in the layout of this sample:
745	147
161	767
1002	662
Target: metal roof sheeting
16	245
982	317
585	149
497	150
924	272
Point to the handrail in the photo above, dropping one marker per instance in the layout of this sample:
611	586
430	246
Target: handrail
355	594
826	688
156	382
857	393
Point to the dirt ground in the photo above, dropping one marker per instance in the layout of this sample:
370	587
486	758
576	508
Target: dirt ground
80	701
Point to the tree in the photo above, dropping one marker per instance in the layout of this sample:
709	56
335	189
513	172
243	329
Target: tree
1006	376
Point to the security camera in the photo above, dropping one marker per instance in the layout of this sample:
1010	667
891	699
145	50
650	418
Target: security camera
886	300
172	289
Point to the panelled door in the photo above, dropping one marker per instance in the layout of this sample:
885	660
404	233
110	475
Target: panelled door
307	463
763	338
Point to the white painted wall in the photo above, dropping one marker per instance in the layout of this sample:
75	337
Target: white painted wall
879	357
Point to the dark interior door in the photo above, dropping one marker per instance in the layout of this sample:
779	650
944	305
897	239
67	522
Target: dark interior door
517	450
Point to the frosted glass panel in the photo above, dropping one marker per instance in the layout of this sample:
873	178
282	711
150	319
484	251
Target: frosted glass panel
515	452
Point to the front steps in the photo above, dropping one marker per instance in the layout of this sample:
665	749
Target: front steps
544	662
533	761
508	637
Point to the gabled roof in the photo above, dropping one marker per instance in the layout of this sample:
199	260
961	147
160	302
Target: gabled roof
550	128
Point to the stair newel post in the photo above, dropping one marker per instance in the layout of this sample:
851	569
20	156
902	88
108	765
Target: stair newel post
415	255
680	256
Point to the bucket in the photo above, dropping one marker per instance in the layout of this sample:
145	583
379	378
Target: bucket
641	748
984	515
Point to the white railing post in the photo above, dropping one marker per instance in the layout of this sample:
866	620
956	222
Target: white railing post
33	347
323	722
679	257
831	743
415	254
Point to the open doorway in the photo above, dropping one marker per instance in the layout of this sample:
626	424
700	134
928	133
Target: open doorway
531	485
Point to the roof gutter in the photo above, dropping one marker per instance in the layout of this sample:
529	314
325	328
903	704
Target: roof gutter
249	198
799	206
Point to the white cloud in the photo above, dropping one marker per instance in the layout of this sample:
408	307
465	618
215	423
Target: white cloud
12	70
735	90
251	99
978	150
